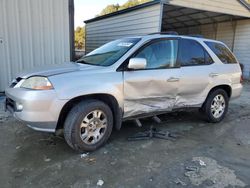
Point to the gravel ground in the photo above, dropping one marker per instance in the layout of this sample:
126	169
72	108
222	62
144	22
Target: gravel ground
206	155
3	115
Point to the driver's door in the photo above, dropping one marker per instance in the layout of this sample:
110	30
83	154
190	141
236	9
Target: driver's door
154	88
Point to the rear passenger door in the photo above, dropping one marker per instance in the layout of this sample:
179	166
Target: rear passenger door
196	66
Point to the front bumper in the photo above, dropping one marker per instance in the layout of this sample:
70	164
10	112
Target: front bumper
40	109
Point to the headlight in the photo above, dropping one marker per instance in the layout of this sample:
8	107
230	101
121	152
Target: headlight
37	83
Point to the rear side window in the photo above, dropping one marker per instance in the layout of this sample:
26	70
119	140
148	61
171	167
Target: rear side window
222	52
192	53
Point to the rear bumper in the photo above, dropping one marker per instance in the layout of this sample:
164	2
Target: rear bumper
40	110
236	91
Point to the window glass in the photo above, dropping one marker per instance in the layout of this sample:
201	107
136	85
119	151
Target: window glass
208	59
109	53
222	52
192	53
160	54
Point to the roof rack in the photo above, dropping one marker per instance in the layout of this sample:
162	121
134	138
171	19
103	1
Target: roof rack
165	33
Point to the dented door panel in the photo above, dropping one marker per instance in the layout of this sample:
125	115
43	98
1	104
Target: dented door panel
148	91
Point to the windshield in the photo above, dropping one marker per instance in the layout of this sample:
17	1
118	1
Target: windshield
109	53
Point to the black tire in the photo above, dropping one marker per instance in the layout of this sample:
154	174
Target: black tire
206	109
74	119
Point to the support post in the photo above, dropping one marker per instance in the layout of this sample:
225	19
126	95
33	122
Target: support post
215	27
234	26
72	29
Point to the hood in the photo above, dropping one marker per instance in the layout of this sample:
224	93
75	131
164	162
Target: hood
51	70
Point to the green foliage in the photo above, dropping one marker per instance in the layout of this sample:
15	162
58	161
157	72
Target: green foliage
109	9
113	8
80	38
132	3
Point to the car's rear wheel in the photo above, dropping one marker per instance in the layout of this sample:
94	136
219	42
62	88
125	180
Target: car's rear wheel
216	105
88	125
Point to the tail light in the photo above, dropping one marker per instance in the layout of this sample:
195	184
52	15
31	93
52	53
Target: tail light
241	79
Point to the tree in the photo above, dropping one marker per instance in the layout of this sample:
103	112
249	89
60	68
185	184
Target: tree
132	3
80	38
109	9
113	8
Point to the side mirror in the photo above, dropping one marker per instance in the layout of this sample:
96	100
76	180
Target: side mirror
137	63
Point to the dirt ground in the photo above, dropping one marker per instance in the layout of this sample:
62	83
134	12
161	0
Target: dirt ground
206	155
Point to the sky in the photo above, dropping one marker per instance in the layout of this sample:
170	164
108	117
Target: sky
87	9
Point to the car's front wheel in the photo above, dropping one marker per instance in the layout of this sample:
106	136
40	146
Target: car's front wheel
216	105
88	125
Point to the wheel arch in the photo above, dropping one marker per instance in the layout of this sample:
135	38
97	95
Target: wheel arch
206	107
225	87
110	100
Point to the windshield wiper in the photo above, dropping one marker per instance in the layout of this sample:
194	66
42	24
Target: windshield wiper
81	61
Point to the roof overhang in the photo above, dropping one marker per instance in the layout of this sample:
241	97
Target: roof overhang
235	7
176	17
245	3
178	10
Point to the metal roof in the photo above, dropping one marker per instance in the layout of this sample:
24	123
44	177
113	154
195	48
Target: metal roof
245	3
216	16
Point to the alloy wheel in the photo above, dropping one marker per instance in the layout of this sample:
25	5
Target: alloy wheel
218	106
93	127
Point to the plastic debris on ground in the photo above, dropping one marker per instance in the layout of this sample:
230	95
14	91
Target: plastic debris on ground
100	183
202	163
84	155
46	159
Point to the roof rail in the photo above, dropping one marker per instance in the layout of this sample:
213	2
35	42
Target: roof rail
197	36
165	33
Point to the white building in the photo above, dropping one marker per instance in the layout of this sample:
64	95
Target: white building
224	20
34	33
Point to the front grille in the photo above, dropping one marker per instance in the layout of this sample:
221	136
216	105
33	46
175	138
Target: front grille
10	105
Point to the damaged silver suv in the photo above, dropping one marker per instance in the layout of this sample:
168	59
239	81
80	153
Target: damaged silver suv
126	79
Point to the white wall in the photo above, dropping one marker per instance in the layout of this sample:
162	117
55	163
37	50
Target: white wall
242	45
34	33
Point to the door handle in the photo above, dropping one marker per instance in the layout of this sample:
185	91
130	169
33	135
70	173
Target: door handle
173	79
213	74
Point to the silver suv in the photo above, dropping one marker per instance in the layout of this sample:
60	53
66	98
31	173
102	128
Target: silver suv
125	79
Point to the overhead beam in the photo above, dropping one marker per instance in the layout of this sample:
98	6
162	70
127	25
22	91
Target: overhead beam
184	14
205	19
209	23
